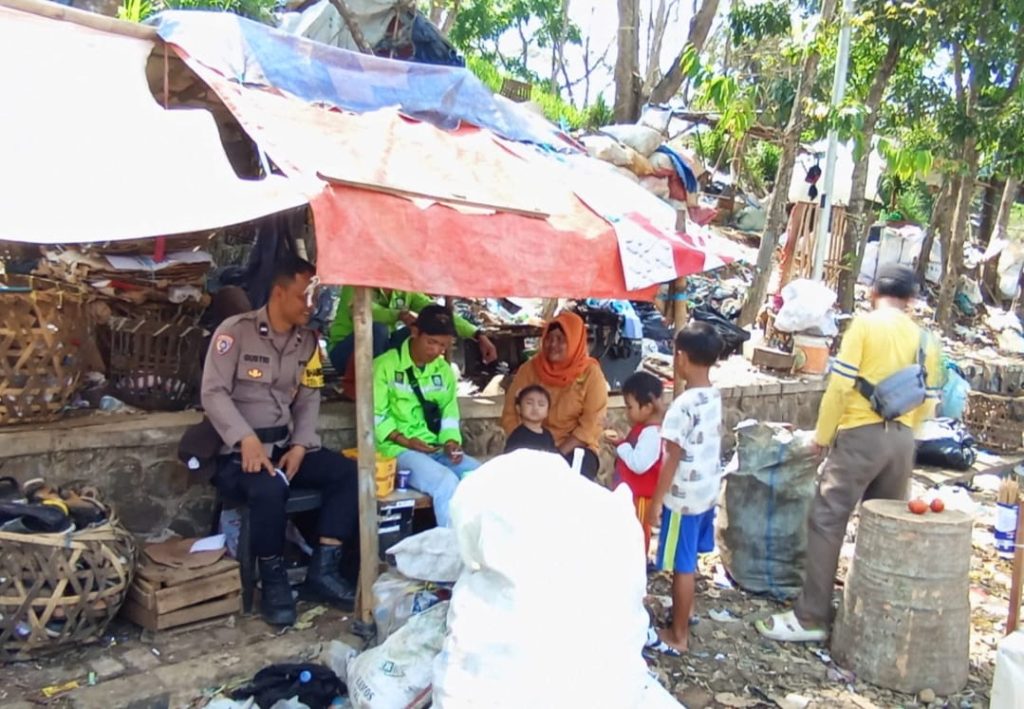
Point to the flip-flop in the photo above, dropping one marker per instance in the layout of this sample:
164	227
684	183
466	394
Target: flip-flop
784	627
656	644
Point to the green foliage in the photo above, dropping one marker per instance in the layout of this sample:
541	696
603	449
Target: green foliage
763	161
757	22
485	71
140	10
481	24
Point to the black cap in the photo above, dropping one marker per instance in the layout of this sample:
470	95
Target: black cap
895	280
435	320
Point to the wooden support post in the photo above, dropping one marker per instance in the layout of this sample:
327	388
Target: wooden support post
1017	578
680	316
368	539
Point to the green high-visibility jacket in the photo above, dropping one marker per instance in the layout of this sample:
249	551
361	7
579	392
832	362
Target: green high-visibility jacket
387	304
397	408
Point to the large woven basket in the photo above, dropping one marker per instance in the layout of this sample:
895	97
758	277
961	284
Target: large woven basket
997	422
58	590
42	327
155	365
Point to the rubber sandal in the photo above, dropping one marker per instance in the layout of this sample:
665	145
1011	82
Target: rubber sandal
656	644
785	628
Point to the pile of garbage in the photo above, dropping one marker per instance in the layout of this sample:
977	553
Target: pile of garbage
640	153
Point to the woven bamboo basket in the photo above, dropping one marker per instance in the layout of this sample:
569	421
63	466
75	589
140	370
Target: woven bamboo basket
42	327
58	590
155	365
997	422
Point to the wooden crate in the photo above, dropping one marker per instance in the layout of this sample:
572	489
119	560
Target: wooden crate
163	597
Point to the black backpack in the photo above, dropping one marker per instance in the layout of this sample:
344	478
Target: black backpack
276	682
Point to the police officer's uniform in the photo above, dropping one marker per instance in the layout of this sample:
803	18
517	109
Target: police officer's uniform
257	381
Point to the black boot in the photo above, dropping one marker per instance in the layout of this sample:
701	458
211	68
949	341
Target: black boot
324	581
276	603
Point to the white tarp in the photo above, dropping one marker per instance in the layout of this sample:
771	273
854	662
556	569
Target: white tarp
323	22
87	154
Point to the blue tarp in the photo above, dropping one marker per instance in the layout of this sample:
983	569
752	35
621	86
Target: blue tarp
260	56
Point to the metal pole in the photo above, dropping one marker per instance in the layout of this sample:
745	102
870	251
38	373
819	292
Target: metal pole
369	561
821	244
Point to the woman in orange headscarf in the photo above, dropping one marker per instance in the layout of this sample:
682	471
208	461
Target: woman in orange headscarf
576	384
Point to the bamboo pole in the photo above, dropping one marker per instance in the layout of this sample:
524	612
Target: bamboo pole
368	539
1017	577
80	17
680	316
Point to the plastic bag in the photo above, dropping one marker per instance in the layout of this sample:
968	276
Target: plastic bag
954	393
429	556
732	335
640	138
607	149
805	306
1008	680
945	443
761	530
396	599
399	672
538	569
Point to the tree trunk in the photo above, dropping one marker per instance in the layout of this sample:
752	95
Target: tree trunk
627	60
955	260
450	17
700	27
989	204
436	12
857	224
558	46
941	222
1002	223
776	220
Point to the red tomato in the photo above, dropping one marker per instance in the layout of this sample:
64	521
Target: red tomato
917	506
938	505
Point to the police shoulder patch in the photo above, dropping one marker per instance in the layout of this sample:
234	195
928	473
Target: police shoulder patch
313	374
223	344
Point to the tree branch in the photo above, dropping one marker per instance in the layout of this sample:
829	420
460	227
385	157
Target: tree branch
353	26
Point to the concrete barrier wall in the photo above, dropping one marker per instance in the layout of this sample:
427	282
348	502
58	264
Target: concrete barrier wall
132	459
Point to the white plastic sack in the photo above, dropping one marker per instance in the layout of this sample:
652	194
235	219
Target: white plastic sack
607	149
1008	681
642	139
657	119
1011	262
399	672
429	556
337	656
397	598
549	612
658	186
806	305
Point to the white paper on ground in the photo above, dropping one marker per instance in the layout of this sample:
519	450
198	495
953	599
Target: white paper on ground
214	543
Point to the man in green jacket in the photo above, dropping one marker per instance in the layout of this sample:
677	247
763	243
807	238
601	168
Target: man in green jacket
416	410
392	309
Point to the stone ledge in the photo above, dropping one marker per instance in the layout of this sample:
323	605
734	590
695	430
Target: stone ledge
101	431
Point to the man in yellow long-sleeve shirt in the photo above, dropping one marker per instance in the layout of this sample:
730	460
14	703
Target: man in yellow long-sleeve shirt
868	457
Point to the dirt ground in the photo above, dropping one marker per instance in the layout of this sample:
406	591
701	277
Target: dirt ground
729	664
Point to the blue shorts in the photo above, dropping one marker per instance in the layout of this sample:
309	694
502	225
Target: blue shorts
682	538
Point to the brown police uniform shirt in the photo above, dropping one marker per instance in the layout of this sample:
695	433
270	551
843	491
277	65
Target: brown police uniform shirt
256	378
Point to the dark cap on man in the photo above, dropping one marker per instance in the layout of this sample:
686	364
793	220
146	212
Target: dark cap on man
895	280
435	320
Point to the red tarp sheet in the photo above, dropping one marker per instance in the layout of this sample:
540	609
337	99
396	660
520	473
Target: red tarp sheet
372	238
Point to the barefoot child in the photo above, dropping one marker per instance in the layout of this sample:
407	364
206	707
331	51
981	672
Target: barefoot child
639	454
532	404
690	474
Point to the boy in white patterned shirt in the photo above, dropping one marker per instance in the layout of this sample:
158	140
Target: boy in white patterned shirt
690	475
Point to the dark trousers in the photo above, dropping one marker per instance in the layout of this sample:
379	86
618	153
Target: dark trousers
591	463
330	473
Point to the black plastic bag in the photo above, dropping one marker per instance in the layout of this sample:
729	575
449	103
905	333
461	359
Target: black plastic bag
733	336
317	689
953	447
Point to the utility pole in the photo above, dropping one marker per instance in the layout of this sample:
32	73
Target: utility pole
821	244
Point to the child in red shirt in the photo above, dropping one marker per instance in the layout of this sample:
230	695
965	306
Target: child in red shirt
639	453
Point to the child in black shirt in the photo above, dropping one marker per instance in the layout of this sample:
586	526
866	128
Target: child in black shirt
532	405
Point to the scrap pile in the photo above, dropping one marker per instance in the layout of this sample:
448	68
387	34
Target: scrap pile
640	153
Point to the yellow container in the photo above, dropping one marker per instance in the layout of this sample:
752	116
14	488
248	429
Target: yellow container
384	473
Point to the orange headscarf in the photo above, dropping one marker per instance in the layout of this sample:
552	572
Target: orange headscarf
577	358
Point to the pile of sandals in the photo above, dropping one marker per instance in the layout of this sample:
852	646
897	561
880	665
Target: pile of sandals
36	507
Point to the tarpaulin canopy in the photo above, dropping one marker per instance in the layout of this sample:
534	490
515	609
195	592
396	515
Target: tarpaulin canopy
86	153
408	205
255	55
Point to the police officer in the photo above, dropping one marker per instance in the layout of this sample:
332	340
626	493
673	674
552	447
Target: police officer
261	393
